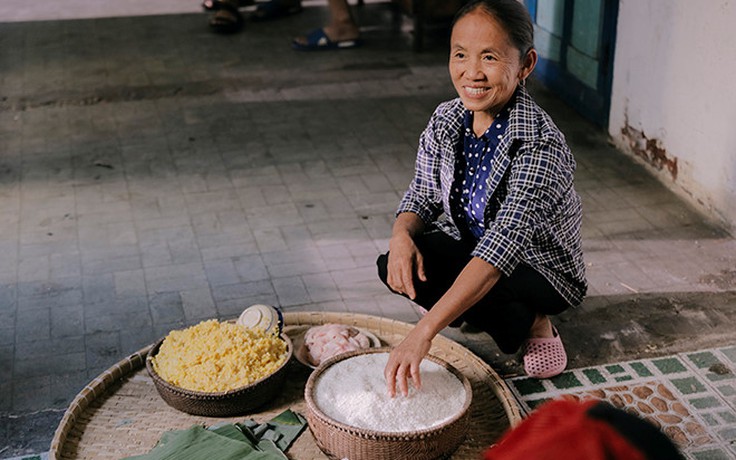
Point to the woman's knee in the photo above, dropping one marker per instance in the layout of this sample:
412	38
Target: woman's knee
382	265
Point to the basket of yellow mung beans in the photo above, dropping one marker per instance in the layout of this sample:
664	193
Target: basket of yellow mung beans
219	369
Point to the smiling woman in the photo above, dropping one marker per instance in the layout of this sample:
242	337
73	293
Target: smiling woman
489	230
486	66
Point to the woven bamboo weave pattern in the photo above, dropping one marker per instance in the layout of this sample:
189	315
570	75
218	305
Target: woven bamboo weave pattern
120	413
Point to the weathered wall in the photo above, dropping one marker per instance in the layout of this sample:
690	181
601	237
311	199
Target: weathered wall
674	99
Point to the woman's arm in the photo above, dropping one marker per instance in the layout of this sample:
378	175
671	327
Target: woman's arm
404	258
473	283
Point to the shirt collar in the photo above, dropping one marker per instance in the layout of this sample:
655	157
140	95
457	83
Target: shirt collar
522	116
503	117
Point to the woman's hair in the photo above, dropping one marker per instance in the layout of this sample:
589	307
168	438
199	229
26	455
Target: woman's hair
512	15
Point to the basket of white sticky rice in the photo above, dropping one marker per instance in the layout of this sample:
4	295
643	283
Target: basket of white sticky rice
352	416
219	369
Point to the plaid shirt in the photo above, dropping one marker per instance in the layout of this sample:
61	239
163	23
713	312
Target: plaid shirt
533	214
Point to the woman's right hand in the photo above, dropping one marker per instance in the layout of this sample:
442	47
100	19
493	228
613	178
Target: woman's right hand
404	261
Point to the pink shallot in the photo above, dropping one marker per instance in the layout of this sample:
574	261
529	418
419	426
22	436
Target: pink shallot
329	340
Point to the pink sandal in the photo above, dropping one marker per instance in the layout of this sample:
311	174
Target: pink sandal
545	357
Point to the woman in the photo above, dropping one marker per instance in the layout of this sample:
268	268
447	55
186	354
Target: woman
342	32
506	253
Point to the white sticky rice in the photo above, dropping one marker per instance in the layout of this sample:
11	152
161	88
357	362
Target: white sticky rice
353	392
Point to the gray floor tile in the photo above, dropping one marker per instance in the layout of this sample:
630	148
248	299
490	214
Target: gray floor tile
143	189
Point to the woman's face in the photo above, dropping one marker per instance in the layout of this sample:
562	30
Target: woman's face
484	66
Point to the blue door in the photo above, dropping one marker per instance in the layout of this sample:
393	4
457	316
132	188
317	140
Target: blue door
575	40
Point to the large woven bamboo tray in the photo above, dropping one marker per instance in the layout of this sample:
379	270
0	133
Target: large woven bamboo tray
120	414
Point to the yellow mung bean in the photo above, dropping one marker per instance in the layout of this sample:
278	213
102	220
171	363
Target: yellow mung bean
214	357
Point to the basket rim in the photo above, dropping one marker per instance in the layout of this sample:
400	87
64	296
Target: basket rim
380	325
153	350
387	435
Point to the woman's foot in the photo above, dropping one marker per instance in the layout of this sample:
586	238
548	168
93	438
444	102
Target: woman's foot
342	32
544	354
329	37
541	328
226	18
226	21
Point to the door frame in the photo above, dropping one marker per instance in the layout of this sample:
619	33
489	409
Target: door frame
593	104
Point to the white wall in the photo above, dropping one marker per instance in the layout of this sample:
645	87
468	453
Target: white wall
673	103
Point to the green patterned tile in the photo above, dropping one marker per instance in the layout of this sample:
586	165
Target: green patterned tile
713	377
594	375
703	359
710	419
712	454
705	403
669	365
615	369
688	385
565	381
702	382
729	434
641	369
730	353
727	390
529	386
536	403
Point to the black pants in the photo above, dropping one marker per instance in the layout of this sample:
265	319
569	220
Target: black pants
507	312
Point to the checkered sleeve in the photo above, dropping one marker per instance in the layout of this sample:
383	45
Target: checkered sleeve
424	196
537	180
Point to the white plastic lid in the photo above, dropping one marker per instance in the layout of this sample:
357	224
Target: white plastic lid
260	316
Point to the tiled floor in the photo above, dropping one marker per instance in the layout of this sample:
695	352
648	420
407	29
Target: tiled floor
689	396
153	174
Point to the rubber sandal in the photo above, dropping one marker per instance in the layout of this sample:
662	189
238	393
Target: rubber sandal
214	5
318	40
226	26
545	357
275	9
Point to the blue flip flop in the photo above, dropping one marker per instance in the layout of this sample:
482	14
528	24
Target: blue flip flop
318	40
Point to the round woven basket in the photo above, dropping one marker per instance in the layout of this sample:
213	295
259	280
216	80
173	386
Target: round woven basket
225	403
120	412
338	440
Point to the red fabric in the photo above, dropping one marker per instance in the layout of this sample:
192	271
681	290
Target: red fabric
560	430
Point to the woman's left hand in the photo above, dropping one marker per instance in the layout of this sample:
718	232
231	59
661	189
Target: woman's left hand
403	362
474	282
